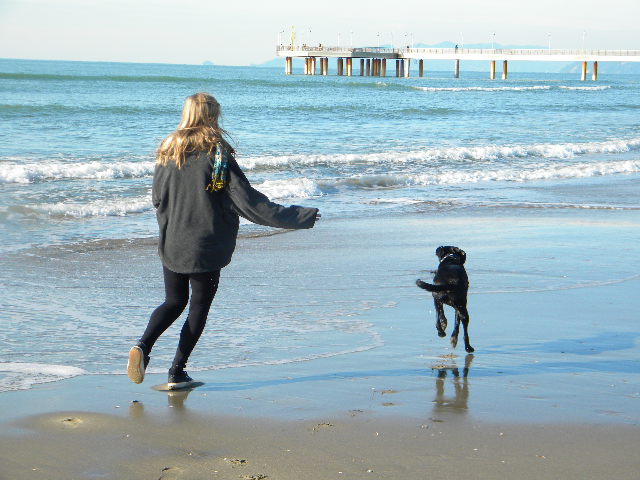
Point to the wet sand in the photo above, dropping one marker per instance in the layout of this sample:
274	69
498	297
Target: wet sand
192	446
552	391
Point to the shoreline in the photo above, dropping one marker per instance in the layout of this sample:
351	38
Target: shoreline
555	368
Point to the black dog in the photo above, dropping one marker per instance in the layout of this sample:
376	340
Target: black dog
450	287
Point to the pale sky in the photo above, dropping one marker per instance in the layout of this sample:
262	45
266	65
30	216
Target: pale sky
241	32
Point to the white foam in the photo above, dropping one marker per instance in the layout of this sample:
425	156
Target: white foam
21	376
290	188
599	87
99	208
483	89
429	156
13	172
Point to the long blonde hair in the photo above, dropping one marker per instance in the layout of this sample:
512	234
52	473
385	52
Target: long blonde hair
199	131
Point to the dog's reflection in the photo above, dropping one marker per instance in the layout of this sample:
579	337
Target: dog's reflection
458	402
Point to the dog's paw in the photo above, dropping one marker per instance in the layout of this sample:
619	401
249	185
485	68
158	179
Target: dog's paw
469	349
421	284
454	342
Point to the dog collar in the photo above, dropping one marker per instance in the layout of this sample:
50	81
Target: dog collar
447	256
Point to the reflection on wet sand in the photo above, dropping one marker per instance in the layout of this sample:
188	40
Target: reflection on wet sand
458	402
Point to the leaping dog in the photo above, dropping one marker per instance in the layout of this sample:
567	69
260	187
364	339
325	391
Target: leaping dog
450	286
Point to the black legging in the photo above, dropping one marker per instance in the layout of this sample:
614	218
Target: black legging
176	286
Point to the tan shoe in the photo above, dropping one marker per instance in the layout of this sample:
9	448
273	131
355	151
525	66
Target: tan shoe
137	364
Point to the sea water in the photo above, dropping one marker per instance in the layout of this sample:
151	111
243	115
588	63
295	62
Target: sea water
77	143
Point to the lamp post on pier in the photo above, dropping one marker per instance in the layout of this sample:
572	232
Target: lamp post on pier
549	37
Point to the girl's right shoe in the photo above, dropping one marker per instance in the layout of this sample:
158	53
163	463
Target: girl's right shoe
178	378
137	364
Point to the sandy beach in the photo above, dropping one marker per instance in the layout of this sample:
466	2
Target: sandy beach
551	392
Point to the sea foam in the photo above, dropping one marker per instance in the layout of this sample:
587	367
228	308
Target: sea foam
33	172
20	376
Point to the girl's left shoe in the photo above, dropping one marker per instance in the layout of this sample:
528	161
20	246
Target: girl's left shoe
137	364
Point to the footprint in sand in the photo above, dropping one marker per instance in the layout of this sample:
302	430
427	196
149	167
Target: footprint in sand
170	473
257	476
71	422
321	426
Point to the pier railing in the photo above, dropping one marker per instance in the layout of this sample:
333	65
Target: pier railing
400	52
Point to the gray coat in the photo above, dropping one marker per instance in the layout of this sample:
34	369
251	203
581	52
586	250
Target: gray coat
198	228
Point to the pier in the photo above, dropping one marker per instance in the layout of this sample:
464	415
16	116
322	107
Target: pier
372	61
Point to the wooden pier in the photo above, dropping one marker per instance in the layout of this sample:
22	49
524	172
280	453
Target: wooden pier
373	60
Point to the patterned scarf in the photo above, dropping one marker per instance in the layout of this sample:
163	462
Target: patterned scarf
220	173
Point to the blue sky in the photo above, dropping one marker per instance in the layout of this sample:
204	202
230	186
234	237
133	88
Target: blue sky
242	32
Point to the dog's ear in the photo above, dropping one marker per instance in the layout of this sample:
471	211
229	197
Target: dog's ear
440	252
461	253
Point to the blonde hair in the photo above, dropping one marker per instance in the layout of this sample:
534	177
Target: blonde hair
198	131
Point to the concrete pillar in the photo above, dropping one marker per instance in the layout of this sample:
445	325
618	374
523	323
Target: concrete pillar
340	66
288	65
505	70
378	67
407	68
374	67
384	67
492	73
456	69
313	65
368	67
361	67
584	71
421	68
594	76
349	66
397	68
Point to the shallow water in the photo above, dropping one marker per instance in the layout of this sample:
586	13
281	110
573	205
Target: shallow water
540	173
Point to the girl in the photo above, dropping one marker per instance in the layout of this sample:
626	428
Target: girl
198	192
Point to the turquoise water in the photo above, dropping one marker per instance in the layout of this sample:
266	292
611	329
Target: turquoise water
76	159
78	140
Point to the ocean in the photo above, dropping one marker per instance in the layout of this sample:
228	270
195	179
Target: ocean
77	143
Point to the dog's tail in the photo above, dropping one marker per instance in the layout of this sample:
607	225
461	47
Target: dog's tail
429	287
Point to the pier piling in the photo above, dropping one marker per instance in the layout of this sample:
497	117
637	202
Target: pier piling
421	68
492	72
584	71
456	69
594	75
505	70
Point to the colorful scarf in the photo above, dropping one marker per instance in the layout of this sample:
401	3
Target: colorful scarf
220	173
